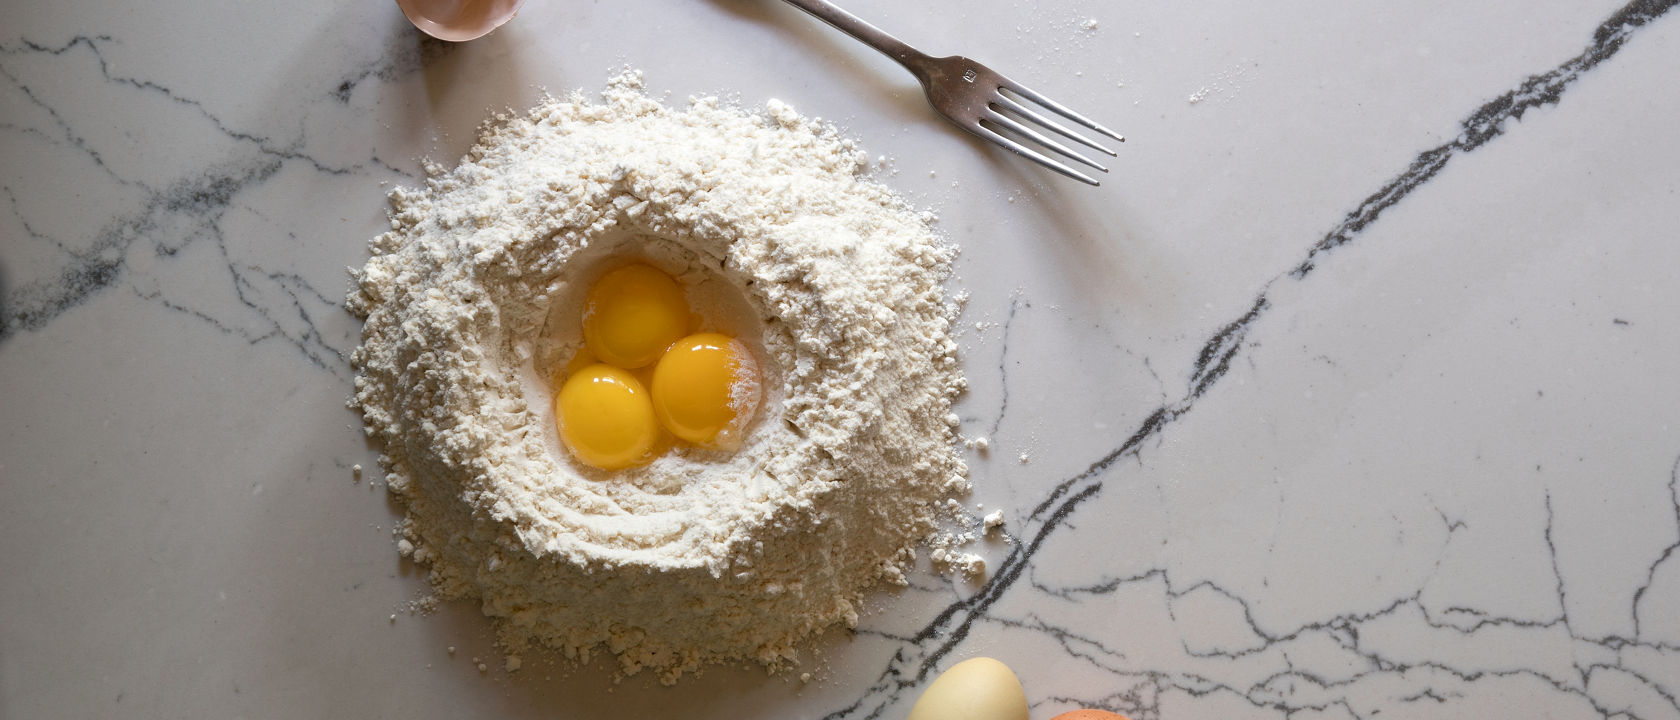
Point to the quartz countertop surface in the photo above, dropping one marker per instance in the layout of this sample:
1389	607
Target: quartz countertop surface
1350	393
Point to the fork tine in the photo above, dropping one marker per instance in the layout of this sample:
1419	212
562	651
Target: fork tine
1060	109
1029	114
1031	154
1040	138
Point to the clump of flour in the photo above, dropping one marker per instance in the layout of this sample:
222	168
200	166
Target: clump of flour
701	557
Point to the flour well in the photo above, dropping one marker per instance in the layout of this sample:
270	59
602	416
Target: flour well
702	556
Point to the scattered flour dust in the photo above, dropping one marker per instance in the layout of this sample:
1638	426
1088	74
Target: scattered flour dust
471	303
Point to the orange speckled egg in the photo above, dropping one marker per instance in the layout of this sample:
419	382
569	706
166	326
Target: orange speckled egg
1089	714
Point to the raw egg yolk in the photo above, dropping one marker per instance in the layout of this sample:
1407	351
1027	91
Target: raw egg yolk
706	389
606	418
633	314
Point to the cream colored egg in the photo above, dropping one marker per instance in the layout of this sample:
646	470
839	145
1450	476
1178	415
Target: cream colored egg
977	689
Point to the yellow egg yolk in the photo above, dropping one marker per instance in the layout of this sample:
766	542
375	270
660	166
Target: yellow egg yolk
706	389
632	315
606	418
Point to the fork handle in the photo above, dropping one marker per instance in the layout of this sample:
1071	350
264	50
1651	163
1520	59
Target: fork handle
874	37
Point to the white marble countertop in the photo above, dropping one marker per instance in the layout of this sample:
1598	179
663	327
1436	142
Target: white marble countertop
1352	392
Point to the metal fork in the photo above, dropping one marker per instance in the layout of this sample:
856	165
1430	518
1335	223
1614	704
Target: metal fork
972	95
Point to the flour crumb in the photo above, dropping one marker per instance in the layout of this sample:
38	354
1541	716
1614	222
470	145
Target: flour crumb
993	521
1090	25
1025	458
968	565
948	559
512	663
424	605
355	473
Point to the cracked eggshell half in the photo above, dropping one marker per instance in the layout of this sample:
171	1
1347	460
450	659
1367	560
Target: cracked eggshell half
977	689
459	20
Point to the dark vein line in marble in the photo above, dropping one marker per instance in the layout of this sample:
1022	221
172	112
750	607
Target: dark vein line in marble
1345	626
1073	644
1427	694
70	135
380	163
41	135
912	665
1103	588
200	201
156	297
40	49
17	212
310	342
31	306
1161	385
1003	364
406	53
1667	552
1452	525
92	44
1260	696
895	637
1557	574
1646	680
1487	123
263	144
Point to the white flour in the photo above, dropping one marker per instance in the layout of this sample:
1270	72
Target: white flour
471	302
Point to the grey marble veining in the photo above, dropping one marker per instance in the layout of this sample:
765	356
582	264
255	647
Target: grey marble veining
1350	394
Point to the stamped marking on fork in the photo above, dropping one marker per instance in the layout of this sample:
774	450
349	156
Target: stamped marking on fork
970	74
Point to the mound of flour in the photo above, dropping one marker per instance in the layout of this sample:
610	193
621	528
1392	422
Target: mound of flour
702	557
